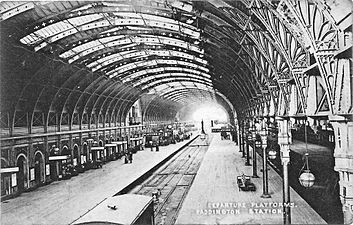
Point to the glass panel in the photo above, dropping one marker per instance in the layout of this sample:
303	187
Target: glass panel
173	79
61	29
115	57
154	62
191	72
11	8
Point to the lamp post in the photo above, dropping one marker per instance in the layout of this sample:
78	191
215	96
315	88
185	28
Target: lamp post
254	162
243	140
239	137
248	135
284	141
265	193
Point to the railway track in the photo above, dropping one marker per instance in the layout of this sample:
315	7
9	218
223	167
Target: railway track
173	180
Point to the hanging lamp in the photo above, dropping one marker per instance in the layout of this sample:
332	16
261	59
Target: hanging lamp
272	153
306	178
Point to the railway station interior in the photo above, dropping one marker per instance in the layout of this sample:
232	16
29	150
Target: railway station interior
176	112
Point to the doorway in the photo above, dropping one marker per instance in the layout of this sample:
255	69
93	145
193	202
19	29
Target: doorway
39	168
22	173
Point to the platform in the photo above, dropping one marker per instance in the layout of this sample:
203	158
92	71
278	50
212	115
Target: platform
62	202
214	197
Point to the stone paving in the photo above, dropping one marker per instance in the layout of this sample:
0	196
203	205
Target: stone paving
214	197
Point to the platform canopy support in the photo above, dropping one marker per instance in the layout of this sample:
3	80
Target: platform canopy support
344	163
284	141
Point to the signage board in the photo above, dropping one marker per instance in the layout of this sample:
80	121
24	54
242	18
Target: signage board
59	157
9	170
217	130
32	174
47	169
13	180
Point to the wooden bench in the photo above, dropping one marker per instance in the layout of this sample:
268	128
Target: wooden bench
245	184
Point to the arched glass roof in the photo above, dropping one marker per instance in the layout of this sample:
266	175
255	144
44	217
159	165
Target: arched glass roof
215	46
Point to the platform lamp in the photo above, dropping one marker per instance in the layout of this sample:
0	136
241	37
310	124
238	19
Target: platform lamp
249	138
306	178
264	133
272	153
254	162
239	136
243	138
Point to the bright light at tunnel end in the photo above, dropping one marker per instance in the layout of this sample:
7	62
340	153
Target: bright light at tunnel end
210	112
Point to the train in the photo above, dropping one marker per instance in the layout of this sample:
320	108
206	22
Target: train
127	209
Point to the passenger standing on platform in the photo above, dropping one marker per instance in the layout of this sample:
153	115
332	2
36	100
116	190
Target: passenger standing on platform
130	157
126	157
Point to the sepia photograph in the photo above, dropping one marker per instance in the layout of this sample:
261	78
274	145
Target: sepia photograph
176	112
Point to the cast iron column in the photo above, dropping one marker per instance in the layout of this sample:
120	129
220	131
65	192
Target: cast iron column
254	162
243	140
239	138
284	141
265	193
247	163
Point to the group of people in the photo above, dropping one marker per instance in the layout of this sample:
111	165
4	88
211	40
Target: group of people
128	157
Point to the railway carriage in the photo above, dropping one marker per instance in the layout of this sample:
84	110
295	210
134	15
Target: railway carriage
121	209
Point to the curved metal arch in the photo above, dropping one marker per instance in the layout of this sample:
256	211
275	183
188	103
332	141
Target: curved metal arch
65	87
105	22
81	77
120	98
147	85
171	71
225	70
251	59
69	85
250	56
85	96
107	94
222	82
159	69
132	98
136	41
28	90
271	37
158	109
167	90
187	96
141	82
141	55
94	94
122	32
154	61
125	89
184	90
128	53
182	98
308	16
27	84
255	79
265	55
176	81
274	47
